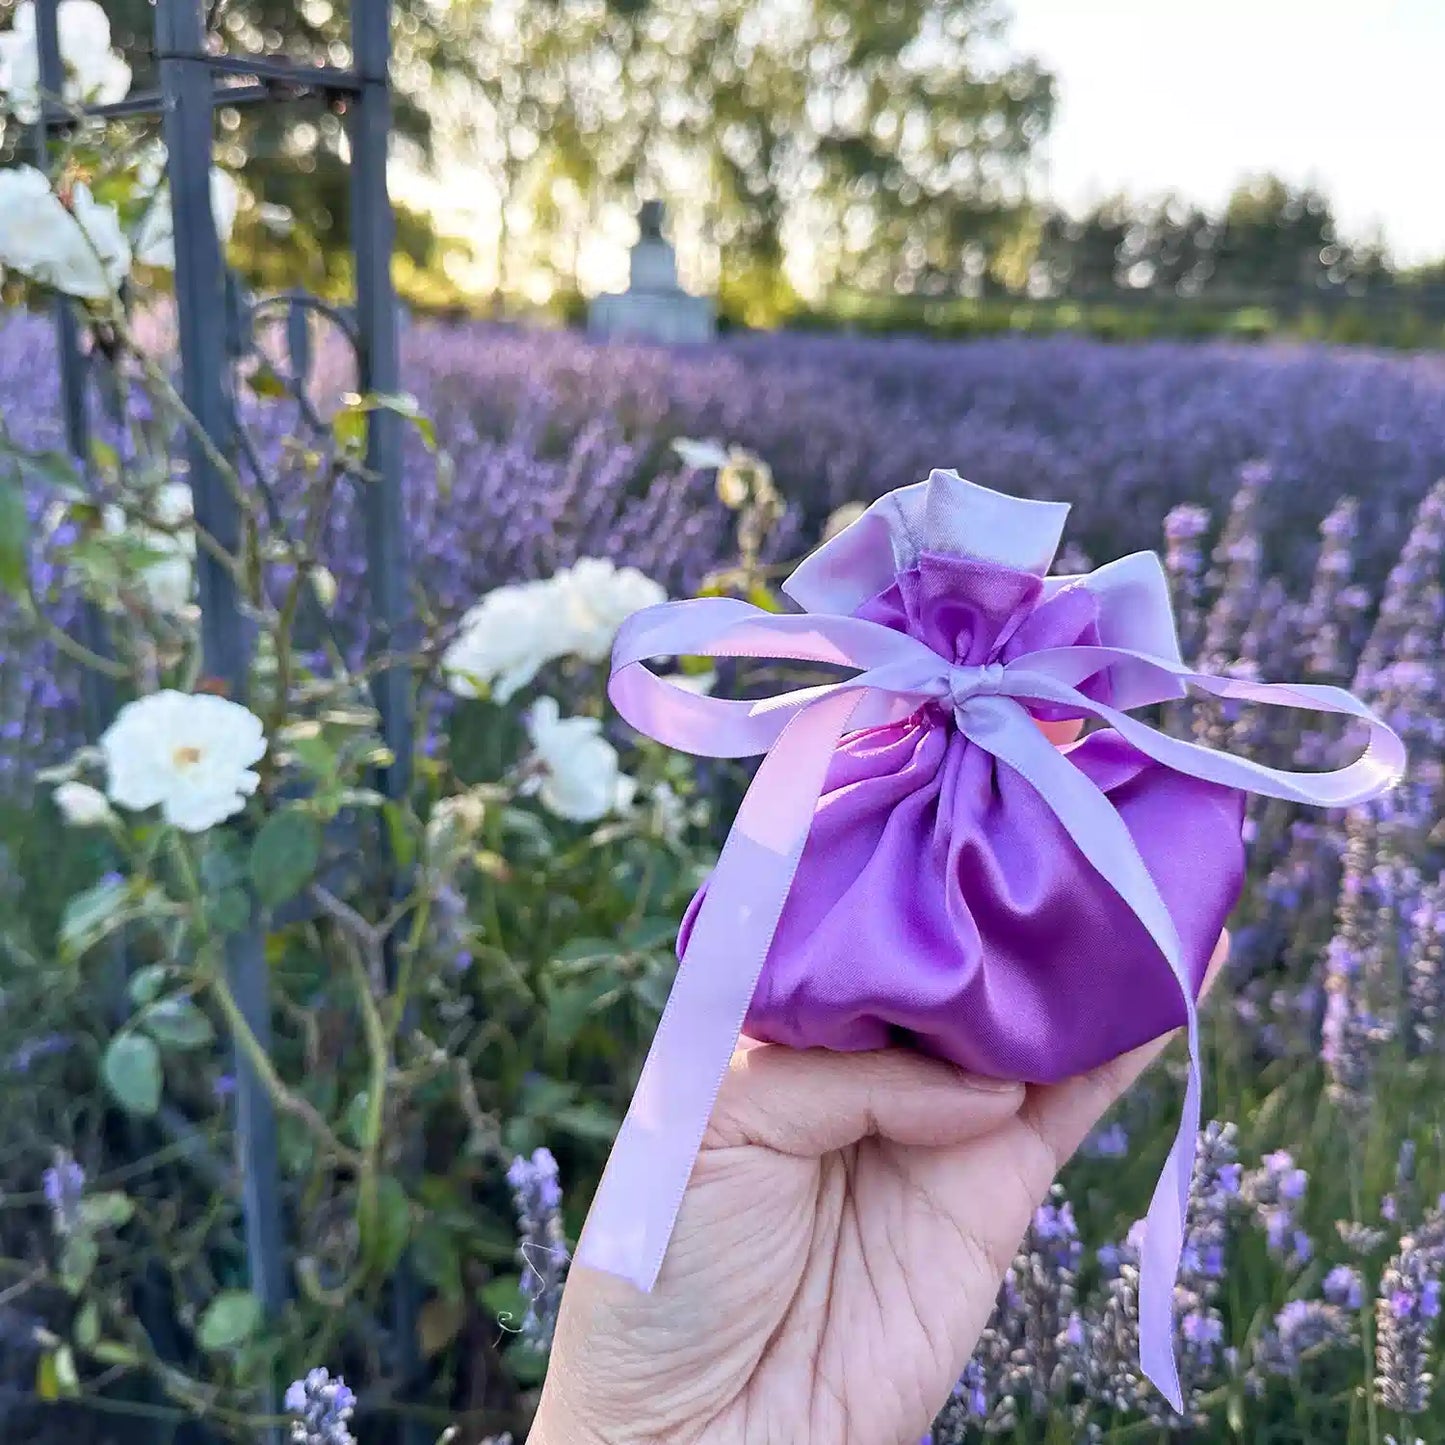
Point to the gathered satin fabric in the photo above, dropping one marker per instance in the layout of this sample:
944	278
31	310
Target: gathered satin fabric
939	901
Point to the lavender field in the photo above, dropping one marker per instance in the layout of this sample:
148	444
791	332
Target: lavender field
1297	496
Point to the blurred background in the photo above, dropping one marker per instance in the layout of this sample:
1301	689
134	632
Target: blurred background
954	165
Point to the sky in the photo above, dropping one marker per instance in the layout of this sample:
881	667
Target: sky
1183	95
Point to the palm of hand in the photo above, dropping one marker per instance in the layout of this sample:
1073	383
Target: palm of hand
838	1253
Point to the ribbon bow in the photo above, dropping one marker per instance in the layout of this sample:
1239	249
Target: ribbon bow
636	1205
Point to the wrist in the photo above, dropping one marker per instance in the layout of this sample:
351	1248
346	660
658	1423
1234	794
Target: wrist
556	1424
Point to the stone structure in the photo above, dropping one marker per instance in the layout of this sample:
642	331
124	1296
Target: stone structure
654	307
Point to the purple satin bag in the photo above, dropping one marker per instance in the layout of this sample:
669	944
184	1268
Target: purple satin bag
915	863
940	903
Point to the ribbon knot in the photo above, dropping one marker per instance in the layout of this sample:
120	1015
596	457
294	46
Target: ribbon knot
969	681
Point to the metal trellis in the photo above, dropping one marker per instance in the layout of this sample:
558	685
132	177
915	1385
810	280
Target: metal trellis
194	80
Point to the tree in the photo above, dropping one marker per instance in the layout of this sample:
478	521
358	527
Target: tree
294	153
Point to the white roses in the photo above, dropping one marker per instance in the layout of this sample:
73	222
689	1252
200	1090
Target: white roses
515	630
155	236
188	754
575	773
94	73
78	248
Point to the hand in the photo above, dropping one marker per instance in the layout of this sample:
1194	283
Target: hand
839	1249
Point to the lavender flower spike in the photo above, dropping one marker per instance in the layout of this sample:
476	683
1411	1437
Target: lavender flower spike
322	1407
1406	1312
63	1183
542	1248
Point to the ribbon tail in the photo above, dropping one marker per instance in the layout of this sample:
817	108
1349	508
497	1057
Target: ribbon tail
1004	729
636	1205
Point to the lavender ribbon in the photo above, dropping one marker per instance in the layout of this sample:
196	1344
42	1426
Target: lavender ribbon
636	1206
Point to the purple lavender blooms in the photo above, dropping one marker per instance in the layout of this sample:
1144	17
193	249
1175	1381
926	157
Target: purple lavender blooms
1275	1192
1407	1311
322	1407
64	1184
542	1246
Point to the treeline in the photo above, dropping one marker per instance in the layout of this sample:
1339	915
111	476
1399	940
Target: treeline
882	149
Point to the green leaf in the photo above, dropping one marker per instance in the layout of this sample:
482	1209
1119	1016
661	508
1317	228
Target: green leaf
77	1261
284	855
229	910
438	1323
400	835
93	915
437	1259
223	861
504	1298
177	1021
650	933
588	1121
147	982
588	950
132	1070
56	1375
349	426
570	1005
764	597
113	1352
353	1122
87	1325
110	1210
542	1097
264	382
385	1225
653	988
14	536
104	458
230	1320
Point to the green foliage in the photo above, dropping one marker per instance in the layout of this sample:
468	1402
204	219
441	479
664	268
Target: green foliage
14	535
230	1319
284	855
132	1070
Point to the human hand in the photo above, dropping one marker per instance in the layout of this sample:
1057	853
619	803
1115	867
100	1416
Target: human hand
838	1253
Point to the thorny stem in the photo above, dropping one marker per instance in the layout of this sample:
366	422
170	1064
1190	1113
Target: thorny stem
300	582
287	1101
76	651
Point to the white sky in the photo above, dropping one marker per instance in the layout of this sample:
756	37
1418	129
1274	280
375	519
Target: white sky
1189	95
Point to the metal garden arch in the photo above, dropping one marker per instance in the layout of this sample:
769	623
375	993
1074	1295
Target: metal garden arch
214	318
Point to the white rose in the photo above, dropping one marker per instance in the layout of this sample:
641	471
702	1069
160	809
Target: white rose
505	639
82	806
168	580
576	773
597	599
94	73
77	249
188	754
669	813
155	237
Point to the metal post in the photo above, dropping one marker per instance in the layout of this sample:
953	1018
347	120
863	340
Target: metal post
379	347
186	89
372	233
97	691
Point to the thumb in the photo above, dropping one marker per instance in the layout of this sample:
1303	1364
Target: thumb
811	1102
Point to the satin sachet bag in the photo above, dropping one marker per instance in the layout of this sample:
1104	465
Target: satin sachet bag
916	864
